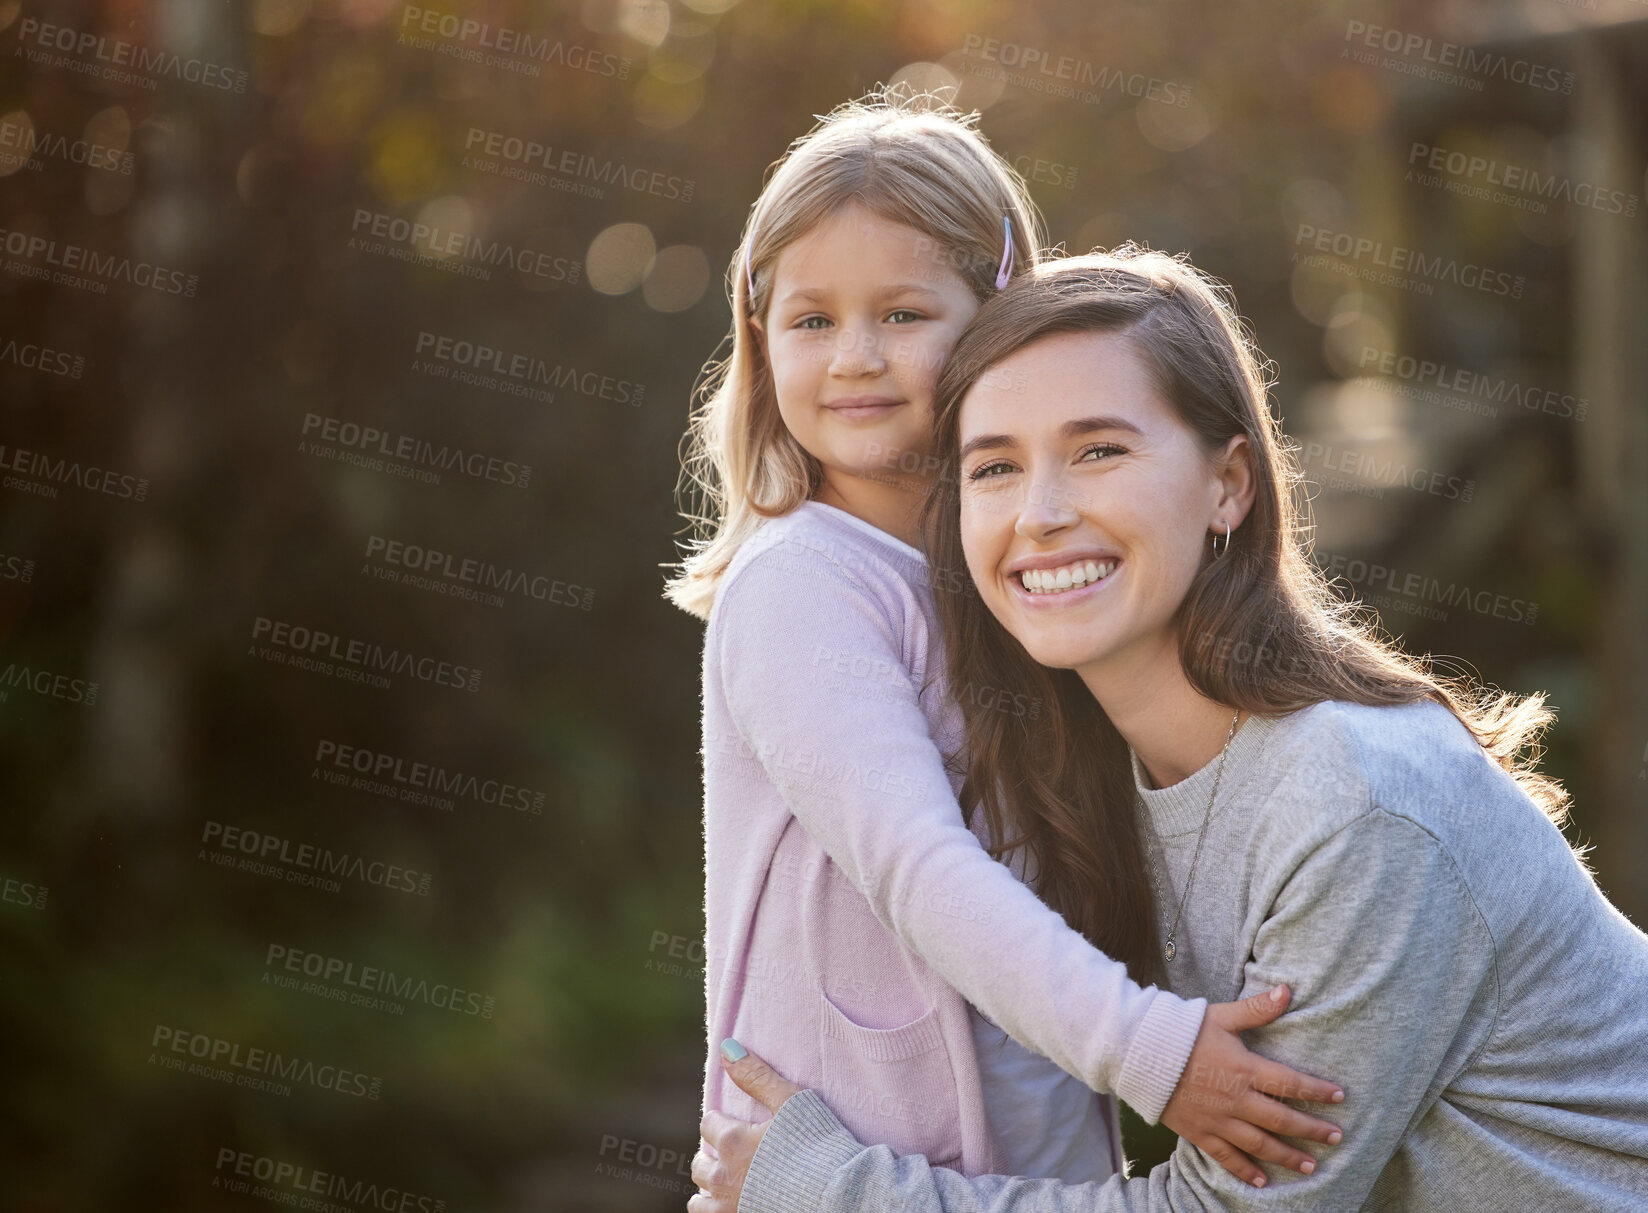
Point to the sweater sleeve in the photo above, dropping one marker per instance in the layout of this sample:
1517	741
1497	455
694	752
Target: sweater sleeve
855	761
1384	947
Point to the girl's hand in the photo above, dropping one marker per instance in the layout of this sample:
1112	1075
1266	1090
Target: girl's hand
1228	1097
719	1173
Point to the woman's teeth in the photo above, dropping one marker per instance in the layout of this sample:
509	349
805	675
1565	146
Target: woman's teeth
1067	577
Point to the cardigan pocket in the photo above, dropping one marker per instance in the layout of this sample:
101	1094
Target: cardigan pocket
892	1086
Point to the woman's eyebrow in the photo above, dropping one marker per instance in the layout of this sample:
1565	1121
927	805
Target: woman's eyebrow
1086	425
987	442
1070	429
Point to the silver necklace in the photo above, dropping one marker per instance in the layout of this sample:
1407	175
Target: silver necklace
1168	950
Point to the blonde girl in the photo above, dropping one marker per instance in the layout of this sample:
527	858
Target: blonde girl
856	923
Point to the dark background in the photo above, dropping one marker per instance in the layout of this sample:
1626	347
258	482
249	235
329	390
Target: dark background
575	907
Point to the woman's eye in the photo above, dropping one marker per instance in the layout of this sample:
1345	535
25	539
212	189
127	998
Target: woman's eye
1104	448
984	471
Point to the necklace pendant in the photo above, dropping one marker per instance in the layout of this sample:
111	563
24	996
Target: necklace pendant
1170	951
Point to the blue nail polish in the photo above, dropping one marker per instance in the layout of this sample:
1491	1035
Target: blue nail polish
733	1051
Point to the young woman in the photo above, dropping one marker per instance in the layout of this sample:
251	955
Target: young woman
1313	806
854	921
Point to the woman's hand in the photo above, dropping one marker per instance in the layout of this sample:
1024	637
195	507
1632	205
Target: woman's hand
719	1172
1226	1100
1227	1097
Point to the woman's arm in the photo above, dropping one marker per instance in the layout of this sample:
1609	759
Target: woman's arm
1380	936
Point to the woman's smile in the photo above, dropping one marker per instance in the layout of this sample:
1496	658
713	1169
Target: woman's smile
1063	581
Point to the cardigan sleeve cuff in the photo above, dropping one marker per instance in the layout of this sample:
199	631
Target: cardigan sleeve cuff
1160	1049
802	1149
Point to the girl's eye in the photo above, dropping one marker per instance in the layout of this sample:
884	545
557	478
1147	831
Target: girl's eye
986	470
904	311
806	322
1106	448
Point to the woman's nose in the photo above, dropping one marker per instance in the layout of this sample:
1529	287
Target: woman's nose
1046	508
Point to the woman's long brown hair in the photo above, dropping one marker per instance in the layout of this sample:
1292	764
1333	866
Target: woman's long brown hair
1260	629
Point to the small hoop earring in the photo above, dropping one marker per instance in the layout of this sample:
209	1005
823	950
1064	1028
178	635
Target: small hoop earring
1220	551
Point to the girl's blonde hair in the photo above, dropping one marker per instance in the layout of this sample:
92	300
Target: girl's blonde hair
912	159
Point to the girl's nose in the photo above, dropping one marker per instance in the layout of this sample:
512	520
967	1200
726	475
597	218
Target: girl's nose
856	352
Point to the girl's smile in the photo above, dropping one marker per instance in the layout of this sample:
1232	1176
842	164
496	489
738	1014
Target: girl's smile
853	408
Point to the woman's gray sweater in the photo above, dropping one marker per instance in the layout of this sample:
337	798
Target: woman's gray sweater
1454	968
